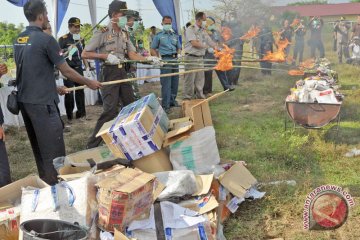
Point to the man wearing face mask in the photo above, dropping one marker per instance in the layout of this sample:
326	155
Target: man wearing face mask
196	42
131	27
72	46
167	45
111	45
35	54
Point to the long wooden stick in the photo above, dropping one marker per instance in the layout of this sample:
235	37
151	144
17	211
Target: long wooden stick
141	78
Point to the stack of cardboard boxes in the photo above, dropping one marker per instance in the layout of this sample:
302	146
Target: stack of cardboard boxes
129	196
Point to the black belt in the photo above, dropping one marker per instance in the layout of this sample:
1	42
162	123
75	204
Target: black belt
170	55
192	55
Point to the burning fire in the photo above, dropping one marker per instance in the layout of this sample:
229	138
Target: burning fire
225	57
226	33
296	72
295	22
253	32
279	55
308	64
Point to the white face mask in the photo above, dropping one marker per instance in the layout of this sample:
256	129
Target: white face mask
76	36
203	24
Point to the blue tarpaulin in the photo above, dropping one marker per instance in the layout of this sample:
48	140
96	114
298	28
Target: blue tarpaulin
61	11
167	8
19	3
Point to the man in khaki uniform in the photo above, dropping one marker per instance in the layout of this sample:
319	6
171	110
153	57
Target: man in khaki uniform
342	30
112	45
196	42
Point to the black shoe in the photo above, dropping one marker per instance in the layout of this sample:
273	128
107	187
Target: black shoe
175	104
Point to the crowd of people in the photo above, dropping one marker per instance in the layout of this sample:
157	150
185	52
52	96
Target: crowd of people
36	53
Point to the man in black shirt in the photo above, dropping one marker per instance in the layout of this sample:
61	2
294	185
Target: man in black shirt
36	53
72	45
4	162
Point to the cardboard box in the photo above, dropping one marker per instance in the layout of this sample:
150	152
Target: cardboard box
71	173
156	162
237	180
196	115
199	111
138	130
124	198
119	235
10	199
89	157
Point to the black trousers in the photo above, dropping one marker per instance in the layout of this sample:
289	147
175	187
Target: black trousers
266	66
299	50
45	131
317	44
208	74
79	98
113	96
4	166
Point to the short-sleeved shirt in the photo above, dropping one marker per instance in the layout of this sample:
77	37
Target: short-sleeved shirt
65	42
109	41
166	42
356	30
196	33
36	53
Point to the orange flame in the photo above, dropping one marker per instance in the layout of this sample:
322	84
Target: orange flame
295	22
225	57
308	64
253	32
226	33
296	72
279	55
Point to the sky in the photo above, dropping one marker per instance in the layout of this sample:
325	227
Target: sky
79	8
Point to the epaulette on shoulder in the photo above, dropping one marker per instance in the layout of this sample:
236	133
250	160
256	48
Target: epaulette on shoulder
64	36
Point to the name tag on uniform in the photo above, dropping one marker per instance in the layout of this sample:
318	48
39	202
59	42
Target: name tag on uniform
119	65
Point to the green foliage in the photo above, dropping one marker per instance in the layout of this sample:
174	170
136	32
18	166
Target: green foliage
355	1
8	32
86	32
313	2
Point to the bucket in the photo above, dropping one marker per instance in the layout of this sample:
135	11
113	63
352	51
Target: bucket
52	229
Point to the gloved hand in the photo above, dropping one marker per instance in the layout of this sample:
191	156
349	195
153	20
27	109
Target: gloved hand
155	61
210	50
112	59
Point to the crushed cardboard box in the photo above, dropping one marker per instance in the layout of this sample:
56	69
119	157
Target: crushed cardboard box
199	111
157	162
71	173
124	198
237	180
196	116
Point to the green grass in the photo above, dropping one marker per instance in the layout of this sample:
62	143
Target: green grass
250	126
